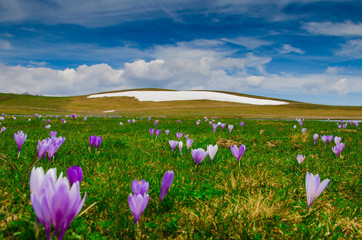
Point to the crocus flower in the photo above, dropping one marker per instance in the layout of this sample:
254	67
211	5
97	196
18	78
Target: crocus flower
173	144
324	138
222	126
330	138
53	134
133	120
63	120
197	123
47	127
242	124
158	131
230	128
42	148
198	155
300	158
85	119
179	135
295	126
237	152
166	183
167	132
339	126
186	136
314	187
53	201
356	123
211	150
337	140
338	149
149	118
129	120
74	174
210	123
304	130
180	144
300	123
3	129
137	204
95	141
120	123
315	137
156	121
214	126
140	187
189	142
56	116
152	131
20	138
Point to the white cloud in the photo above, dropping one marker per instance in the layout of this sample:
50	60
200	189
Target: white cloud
319	86
248	42
255	81
5	45
347	28
286	48
352	48
334	70
46	81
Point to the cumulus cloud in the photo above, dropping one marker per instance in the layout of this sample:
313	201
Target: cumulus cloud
347	28
286	48
46	81
326	86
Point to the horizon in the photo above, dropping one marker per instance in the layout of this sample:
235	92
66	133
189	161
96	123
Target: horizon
308	51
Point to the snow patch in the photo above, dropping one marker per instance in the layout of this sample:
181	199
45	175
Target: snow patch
162	96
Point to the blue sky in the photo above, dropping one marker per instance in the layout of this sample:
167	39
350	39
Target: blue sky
302	50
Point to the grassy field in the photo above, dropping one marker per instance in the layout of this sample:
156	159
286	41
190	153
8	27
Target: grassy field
262	197
127	106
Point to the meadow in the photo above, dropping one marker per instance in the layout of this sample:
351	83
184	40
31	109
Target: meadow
263	196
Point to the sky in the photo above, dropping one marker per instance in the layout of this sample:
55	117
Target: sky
302	50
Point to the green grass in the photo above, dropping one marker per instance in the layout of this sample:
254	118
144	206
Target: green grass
263	197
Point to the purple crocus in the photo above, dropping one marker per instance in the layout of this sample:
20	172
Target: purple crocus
314	187
330	138
300	158
129	120
3	129
167	132
158	131
152	131
166	183
300	123
211	150
304	130
74	174
222	126
179	135
189	142
63	120
47	127
210	123
95	141
338	149
214	127
42	148
324	138
156	121
230	127
137	204
84	119
140	187
74	116
53	201
198	155
173	144
237	152
149	118
20	138
53	134
197	123
315	137
242	124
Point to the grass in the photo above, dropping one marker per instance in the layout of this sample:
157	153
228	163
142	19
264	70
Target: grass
22	104
262	197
